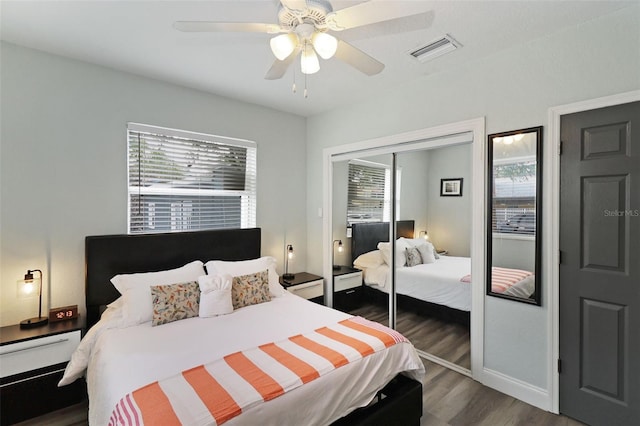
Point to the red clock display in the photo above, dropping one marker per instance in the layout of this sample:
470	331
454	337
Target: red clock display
63	313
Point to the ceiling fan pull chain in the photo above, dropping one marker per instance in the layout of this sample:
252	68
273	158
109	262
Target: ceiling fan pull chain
306	94
293	88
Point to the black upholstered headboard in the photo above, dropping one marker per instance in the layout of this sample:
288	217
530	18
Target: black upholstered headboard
109	255
366	236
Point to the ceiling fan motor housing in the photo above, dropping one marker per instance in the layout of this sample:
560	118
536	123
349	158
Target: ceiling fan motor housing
314	14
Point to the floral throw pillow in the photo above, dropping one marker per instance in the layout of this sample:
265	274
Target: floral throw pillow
250	289
175	302
413	257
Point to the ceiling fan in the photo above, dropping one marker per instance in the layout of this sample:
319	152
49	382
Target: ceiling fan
304	28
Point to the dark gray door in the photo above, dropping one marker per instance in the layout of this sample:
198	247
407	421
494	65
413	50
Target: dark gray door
600	266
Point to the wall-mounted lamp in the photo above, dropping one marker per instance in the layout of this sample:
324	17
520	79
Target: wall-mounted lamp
288	256
424	234
340	250
27	288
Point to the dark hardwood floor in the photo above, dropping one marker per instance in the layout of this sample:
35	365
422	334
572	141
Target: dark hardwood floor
446	340
449	398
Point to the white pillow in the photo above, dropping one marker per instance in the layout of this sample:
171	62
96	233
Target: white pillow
401	257
246	267
426	252
215	295
372	259
137	306
412	242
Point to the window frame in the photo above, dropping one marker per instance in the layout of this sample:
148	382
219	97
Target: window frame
248	196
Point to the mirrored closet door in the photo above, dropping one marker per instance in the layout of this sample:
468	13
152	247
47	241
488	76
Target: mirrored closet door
433	300
418	285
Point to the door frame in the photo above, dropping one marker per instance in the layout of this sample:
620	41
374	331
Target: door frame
401	142
551	226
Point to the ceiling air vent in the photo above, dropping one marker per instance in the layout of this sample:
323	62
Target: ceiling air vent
436	48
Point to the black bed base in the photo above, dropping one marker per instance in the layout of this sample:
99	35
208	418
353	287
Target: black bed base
420	307
397	404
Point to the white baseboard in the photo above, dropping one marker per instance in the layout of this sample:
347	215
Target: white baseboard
523	391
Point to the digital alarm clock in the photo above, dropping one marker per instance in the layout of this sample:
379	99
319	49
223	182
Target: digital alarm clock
63	313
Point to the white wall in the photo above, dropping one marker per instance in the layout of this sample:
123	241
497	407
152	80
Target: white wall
63	171
512	89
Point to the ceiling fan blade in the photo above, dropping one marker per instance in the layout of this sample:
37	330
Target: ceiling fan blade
206	26
374	11
358	59
294	4
279	68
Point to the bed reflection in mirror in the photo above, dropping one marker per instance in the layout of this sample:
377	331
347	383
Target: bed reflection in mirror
514	215
422	284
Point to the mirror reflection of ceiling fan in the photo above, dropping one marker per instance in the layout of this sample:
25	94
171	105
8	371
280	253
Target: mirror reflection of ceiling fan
304	28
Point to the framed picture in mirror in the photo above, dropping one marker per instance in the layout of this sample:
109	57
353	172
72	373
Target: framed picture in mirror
451	187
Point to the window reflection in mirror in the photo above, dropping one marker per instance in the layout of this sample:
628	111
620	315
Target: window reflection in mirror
513	241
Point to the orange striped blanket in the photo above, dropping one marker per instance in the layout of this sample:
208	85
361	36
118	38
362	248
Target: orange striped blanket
503	278
216	392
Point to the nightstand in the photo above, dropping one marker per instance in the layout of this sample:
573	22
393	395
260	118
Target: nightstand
305	285
347	288
32	362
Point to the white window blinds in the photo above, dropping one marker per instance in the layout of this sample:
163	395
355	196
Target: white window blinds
514	198
366	200
184	181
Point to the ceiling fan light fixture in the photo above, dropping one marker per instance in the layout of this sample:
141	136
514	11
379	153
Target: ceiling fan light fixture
325	44
283	45
309	63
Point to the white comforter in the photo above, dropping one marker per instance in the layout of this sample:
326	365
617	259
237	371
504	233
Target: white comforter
120	360
437	282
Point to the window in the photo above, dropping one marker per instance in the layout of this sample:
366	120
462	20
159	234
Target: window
184	181
514	198
369	192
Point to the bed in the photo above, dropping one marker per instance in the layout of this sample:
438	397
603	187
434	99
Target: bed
441	288
122	361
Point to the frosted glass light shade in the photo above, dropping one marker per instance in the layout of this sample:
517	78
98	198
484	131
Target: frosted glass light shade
283	45
28	288
309	63
325	44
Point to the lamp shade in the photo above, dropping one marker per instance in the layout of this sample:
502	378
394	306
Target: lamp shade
309	63
325	44
28	288
283	45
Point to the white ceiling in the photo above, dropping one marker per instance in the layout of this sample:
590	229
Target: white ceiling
137	36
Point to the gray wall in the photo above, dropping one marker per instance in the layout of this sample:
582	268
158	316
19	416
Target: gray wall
414	181
450	217
514	252
512	89
63	171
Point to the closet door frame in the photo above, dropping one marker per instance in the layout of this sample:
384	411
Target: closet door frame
428	138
